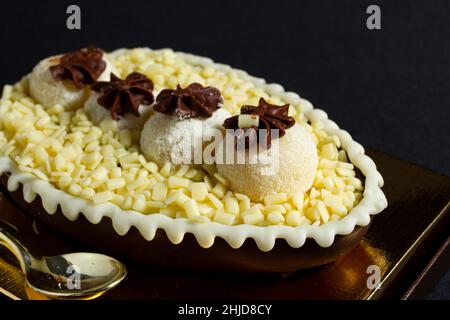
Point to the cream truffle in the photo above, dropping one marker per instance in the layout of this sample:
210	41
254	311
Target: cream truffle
46	90
291	169
186	120
167	138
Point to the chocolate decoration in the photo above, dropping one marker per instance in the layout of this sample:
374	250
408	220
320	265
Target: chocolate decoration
187	255
122	96
192	101
83	67
270	117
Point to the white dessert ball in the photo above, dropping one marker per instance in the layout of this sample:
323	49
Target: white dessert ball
129	121
292	169
47	91
166	138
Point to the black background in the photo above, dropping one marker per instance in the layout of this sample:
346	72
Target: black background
389	88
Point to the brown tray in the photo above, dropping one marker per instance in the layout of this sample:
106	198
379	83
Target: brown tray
401	242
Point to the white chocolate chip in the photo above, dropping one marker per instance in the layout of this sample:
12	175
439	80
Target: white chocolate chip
246	121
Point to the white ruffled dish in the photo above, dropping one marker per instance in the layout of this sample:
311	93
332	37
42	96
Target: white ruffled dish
372	203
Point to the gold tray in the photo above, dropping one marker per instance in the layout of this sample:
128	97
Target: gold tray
400	243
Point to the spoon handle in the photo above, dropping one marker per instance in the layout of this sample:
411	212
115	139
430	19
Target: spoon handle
12	244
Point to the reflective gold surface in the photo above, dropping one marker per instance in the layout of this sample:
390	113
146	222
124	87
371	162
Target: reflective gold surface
11	280
13	286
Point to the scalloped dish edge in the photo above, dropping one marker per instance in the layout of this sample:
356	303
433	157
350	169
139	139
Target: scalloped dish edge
372	203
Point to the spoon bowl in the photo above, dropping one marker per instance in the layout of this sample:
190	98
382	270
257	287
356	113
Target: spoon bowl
74	275
67	276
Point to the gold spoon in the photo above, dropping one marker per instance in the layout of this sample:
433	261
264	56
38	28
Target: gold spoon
68	276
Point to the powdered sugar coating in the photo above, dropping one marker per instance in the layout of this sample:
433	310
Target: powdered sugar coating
164	137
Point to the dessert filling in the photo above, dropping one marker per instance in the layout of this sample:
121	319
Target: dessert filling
96	136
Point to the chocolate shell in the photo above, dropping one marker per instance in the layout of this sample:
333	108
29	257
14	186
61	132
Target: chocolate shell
188	255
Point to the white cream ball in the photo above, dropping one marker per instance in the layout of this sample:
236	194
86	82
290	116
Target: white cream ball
47	91
129	121
166	138
291	169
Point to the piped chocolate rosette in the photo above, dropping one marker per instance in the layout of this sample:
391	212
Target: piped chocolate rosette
124	96
257	124
194	101
82	67
122	103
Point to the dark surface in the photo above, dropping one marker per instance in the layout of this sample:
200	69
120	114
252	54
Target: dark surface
419	202
388	87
